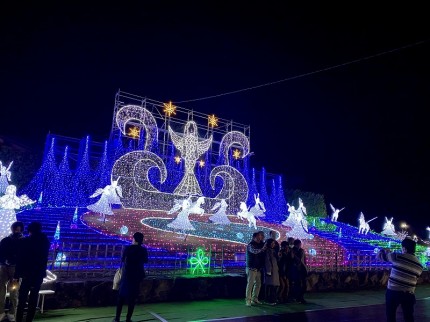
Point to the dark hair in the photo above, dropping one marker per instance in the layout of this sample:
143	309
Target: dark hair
284	243
35	227
255	234
269	241
290	239
138	237
410	245
17	224
297	242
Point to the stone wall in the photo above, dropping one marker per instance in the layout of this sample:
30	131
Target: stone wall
70	294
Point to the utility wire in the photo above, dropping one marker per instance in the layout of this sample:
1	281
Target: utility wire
306	74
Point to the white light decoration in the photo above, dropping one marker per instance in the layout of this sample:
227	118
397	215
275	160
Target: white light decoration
220	217
110	195
123	230
364	227
8	203
133	168
191	149
298	222
231	139
245	214
428	229
389	228
50	277
140	114
335	214
182	222
258	209
235	187
195	207
5	177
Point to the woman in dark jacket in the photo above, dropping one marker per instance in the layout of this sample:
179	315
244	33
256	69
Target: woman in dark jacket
133	260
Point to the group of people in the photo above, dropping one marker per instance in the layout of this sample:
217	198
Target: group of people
281	268
23	261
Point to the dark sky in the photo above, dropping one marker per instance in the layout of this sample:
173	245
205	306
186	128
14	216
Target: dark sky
357	134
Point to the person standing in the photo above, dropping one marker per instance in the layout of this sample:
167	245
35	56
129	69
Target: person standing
271	276
31	268
133	259
405	271
254	264
299	271
273	234
9	251
283	266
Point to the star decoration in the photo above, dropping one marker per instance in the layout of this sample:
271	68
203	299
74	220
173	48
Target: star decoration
199	262
134	132
178	159
201	163
236	154
169	109
212	120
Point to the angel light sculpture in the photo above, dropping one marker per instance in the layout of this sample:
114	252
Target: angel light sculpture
5	176
220	217
110	195
182	222
8	203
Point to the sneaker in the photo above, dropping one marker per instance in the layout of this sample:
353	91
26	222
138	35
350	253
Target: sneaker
303	301
256	301
11	317
2	316
272	304
248	303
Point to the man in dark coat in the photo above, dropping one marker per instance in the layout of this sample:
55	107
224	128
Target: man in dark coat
31	268
9	248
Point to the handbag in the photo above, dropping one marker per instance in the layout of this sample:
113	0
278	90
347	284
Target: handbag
117	278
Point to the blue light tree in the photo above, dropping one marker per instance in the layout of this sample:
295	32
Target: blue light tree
83	180
264	196
252	189
103	171
45	178
281	201
63	182
271	206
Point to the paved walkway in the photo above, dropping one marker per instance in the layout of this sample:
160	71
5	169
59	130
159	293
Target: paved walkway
327	307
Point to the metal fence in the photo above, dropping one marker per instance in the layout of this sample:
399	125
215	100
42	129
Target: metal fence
89	260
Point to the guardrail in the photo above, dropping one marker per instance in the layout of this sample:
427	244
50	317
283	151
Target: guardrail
88	260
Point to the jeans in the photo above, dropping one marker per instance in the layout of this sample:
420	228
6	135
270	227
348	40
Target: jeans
395	298
253	284
6	275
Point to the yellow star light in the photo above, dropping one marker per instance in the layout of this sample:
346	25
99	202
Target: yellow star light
236	154
169	109
212	120
177	159
134	132
201	163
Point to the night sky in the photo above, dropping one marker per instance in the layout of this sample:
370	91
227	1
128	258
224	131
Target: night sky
357	134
